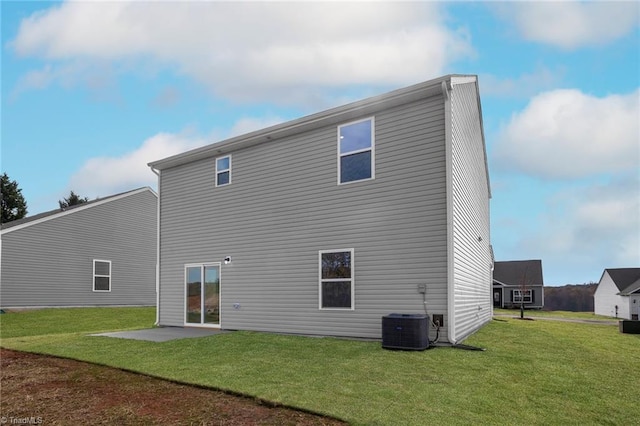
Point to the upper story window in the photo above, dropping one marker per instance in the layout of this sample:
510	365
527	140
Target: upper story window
223	170
356	151
101	275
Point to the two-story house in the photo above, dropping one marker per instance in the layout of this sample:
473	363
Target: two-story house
325	224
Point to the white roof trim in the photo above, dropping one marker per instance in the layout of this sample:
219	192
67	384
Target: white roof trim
78	209
463	79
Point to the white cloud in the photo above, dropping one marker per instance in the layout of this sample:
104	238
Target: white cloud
103	176
568	134
572	24
576	228
522	86
249	124
168	97
98	77
254	50
595	226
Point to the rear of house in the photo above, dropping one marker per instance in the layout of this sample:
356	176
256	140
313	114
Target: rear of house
324	224
102	253
618	293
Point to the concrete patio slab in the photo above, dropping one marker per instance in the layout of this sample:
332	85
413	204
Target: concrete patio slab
162	334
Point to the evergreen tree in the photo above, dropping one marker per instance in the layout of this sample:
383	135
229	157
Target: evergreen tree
13	204
72	200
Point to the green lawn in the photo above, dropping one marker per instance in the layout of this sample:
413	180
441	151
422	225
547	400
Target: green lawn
552	314
532	372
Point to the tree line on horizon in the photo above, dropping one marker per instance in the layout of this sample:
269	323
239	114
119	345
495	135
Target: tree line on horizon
570	297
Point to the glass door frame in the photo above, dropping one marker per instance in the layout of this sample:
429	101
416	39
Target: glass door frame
185	305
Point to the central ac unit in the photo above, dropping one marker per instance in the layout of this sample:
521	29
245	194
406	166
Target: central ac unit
405	331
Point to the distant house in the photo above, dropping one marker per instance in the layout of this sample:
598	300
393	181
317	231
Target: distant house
325	224
100	253
618	293
517	282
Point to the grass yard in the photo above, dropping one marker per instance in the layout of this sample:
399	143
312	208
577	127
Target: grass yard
532	372
41	322
536	313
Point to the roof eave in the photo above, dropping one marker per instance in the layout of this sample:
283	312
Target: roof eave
78	208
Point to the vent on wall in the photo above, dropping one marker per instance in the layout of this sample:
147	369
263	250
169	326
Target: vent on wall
405	331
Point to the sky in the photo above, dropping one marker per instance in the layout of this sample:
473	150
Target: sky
93	91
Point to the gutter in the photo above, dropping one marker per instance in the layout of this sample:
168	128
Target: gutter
157	173
451	299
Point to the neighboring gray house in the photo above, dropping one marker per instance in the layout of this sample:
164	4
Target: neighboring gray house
325	224
99	253
517	282
618	293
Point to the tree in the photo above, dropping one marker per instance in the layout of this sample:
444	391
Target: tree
524	288
72	200
13	204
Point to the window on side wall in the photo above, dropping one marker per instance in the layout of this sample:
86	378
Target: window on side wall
223	170
356	159
101	275
336	279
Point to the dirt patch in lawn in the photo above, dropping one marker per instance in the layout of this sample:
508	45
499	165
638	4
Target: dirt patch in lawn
38	389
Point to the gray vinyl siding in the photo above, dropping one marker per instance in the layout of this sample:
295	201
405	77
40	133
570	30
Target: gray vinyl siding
50	263
284	205
472	280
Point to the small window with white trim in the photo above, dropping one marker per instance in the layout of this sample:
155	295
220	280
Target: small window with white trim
101	275
356	151
336	279
223	170
522	296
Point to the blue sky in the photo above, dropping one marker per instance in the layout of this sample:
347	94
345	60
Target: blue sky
92	91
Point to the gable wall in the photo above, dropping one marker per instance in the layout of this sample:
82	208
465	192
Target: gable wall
606	298
51	263
284	205
472	280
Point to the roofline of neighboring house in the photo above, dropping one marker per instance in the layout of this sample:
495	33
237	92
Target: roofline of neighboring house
519	261
516	285
537	262
622	292
54	214
439	86
632	288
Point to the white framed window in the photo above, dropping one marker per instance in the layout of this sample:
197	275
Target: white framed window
101	275
520	296
336	271
223	170
356	151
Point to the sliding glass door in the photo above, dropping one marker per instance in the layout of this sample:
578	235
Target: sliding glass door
202	294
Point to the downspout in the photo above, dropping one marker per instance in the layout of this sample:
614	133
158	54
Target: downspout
451	315
157	173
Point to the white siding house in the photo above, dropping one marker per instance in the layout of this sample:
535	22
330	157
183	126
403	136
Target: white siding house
100	253
618	293
325	224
